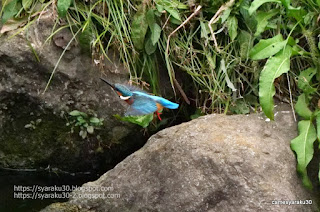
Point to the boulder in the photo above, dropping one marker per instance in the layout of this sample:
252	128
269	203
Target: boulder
213	163
26	64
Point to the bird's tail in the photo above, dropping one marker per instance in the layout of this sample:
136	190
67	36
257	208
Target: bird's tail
168	104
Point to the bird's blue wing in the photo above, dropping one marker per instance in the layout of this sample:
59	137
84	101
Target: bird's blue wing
142	105
164	102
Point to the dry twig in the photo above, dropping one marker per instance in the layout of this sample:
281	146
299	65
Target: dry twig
183	94
216	17
181	25
292	108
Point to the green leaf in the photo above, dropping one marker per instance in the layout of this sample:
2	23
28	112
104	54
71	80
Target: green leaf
274	67
225	15
245	42
211	61
257	3
154	27
204	30
308	18
26	4
90	129
318	127
29	126
267	48
83	134
287	3
63	6
10	10
143	121
262	20
291	41
94	120
232	24
174	21
172	3
224	70
301	107
173	12
149	47
160	8
86	37
150	18
250	21
75	113
239	107
84	114
303	147
304	80
297	13
171	6
178	4
139	28
81	120
155	33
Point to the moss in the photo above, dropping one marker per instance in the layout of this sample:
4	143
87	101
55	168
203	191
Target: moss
31	146
50	142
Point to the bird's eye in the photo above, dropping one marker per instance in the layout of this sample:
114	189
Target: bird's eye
125	97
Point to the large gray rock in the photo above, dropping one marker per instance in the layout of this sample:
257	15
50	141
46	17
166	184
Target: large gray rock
75	85
214	163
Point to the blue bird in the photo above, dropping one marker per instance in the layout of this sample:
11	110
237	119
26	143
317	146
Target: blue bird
141	103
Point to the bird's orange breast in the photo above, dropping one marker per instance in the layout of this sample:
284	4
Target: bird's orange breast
159	107
129	101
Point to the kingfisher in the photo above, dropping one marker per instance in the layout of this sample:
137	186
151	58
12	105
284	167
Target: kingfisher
141	103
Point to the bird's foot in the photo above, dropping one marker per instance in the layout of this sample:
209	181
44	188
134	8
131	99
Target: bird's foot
158	114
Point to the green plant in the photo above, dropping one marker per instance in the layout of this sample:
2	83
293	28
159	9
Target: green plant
298	48
235	53
86	124
33	124
143	121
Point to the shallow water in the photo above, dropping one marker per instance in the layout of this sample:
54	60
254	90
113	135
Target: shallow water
10	180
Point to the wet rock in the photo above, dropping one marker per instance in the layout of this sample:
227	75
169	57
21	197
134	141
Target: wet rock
213	163
26	64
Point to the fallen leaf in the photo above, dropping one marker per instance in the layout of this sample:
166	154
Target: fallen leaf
13	24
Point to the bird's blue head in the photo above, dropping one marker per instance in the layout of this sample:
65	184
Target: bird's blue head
123	91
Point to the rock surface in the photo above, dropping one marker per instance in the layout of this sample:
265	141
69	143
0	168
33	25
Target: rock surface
75	85
213	163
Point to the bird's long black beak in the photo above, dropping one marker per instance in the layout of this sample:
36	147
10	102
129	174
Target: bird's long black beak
111	85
